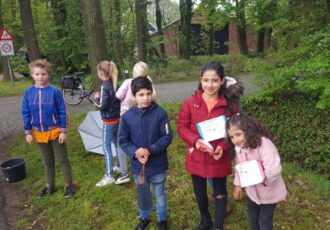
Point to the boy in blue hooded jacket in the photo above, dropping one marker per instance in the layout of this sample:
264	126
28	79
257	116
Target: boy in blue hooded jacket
144	136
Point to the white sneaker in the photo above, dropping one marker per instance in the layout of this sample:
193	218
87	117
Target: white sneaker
116	169
105	181
123	179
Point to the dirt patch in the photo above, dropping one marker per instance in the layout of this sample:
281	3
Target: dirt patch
12	195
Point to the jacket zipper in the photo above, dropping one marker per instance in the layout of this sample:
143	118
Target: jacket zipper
40	111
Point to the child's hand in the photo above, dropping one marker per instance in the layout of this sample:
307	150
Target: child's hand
237	193
29	138
217	153
142	154
62	138
97	95
201	146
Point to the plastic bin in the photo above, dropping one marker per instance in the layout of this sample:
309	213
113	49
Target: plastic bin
13	169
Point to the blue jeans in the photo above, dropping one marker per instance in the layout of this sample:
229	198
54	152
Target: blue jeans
260	216
109	146
145	199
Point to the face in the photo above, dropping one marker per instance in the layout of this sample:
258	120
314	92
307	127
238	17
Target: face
211	82
143	98
40	76
101	75
237	136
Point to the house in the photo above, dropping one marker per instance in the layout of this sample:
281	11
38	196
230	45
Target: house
225	38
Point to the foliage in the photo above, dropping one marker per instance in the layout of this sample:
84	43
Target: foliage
299	58
19	64
301	132
115	207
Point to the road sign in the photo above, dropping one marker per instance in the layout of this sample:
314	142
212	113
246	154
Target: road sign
6	48
5	36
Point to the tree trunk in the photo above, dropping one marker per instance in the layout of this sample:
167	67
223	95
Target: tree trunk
30	37
118	38
141	30
241	26
160	29
4	59
95	34
185	41
116	45
261	41
60	17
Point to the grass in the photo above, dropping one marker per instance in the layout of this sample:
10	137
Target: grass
7	89
115	207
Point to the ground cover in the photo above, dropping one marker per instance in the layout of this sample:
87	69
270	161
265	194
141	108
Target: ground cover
115	207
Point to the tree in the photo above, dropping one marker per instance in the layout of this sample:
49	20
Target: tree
30	37
241	26
159	28
142	35
185	38
116	44
95	35
60	18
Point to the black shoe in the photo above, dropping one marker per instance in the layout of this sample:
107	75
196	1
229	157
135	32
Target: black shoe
205	224
162	225
143	224
69	191
44	192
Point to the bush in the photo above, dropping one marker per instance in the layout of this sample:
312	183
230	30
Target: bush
300	131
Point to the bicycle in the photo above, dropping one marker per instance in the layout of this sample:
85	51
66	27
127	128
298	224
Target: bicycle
74	89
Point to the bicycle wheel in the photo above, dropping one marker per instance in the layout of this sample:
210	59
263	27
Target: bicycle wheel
73	96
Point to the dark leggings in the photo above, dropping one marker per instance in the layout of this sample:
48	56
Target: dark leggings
49	152
220	194
260	216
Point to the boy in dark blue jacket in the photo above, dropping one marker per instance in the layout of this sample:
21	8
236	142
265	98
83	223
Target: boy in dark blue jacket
144	136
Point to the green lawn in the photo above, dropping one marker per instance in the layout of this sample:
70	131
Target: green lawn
7	89
115	206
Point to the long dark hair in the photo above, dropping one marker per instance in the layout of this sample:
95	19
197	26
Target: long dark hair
231	93
251	127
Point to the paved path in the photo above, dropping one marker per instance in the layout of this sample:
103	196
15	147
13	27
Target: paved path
11	122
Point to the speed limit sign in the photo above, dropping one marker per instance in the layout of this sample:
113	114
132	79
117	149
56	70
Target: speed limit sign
6	48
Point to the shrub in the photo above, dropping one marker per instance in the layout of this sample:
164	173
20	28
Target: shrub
300	131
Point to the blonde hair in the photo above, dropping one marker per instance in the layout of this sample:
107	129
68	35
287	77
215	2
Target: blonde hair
40	63
110	70
140	69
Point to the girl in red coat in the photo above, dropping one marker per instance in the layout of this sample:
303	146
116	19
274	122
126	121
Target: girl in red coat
217	95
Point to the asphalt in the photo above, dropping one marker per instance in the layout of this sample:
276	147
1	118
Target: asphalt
11	122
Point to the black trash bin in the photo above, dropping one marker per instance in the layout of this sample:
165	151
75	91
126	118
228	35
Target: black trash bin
13	169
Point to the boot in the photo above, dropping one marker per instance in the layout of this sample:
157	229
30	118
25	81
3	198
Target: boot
205	223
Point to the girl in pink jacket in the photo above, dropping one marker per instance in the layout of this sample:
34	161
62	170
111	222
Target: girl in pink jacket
252	142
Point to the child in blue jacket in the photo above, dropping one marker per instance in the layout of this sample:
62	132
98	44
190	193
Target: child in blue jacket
144	136
45	121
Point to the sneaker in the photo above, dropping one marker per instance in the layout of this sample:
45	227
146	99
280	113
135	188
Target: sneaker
69	191
143	224
44	192
116	169
123	179
162	225
105	181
